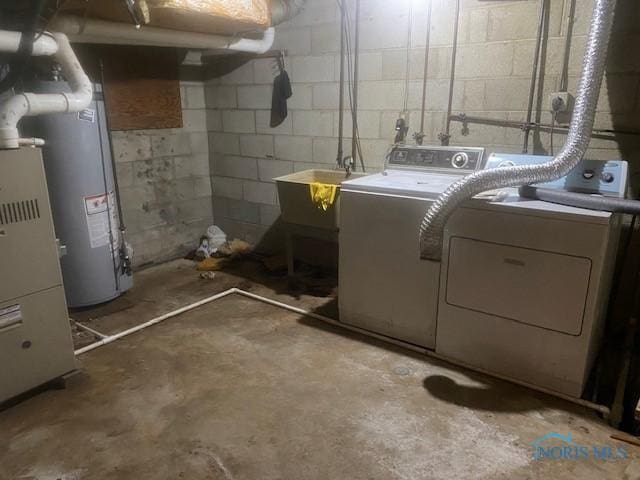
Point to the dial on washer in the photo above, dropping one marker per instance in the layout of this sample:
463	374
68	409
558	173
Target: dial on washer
460	160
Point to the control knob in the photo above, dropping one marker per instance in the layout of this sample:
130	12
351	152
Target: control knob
607	177
460	160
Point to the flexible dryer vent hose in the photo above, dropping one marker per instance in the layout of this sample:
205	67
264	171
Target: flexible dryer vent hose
581	200
432	226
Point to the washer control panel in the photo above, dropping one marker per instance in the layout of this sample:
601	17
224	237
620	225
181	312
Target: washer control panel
435	158
607	178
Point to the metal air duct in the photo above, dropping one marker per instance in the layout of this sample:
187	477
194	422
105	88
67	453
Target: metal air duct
431	228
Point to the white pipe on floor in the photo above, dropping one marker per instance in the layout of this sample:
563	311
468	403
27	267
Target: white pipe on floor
101	31
430	353
154	321
90	330
331	321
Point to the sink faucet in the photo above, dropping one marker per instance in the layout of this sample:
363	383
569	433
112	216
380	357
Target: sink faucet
348	164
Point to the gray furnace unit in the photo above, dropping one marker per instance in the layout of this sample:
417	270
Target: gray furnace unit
83	191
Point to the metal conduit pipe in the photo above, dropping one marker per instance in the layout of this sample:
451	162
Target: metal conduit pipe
602	133
356	68
343	27
432	225
446	135
30	104
420	136
564	76
534	73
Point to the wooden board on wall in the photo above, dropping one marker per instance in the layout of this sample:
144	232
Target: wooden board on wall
142	87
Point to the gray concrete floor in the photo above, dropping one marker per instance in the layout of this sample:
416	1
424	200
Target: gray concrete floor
239	389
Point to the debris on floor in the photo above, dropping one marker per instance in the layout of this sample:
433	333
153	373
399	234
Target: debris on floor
235	248
226	253
212	264
208	275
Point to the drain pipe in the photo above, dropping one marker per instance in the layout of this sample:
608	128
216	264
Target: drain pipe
100	31
31	104
577	142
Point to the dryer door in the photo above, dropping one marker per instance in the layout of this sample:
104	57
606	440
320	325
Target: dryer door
534	287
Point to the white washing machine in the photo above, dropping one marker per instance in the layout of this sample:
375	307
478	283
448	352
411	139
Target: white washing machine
525	284
384	287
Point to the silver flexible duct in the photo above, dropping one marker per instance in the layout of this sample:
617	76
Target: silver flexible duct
432	226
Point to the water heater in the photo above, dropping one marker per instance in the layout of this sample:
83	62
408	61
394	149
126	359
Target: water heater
83	192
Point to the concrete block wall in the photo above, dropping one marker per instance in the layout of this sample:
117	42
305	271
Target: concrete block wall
495	54
165	183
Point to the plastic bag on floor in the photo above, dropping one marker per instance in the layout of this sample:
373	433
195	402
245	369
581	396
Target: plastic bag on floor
210	243
217	238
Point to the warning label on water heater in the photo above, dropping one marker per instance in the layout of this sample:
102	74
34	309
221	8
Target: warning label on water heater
101	220
10	316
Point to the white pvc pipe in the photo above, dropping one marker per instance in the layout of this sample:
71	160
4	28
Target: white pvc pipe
30	104
331	321
43	46
101	31
161	318
90	330
430	353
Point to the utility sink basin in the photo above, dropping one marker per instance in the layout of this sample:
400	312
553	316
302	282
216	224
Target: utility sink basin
295	199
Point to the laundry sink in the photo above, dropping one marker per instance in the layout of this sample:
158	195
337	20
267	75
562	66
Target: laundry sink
295	199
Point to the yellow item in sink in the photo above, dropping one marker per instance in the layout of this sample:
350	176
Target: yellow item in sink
323	194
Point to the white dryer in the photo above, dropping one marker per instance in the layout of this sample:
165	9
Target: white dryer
384	287
525	284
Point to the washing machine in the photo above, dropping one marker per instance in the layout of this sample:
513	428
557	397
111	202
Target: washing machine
524	284
384	287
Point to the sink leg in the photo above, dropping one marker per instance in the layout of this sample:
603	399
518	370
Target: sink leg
289	251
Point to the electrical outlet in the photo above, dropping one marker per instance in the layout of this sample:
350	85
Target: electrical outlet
561	102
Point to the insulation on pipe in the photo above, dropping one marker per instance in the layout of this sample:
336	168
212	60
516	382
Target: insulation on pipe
432	226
